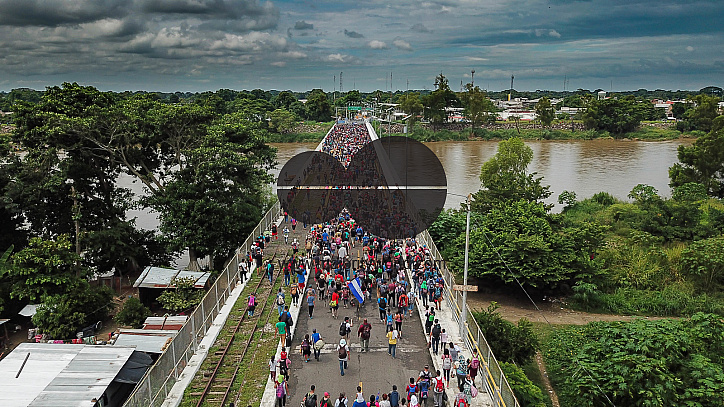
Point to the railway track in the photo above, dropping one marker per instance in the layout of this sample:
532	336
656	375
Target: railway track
225	370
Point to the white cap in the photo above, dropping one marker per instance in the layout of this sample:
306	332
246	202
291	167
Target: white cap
342	342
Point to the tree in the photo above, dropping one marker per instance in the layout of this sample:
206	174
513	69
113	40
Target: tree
62	315
411	104
616	116
702	162
284	100
478	107
182	297
282	121
527	393
504	177
133	313
45	268
318	106
545	111
436	102
700	117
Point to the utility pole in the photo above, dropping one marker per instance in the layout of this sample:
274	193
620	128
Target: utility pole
463	315
472	78
341	90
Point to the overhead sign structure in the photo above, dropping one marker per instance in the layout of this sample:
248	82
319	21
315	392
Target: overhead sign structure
460	287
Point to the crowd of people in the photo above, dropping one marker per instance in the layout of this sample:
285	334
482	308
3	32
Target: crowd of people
380	281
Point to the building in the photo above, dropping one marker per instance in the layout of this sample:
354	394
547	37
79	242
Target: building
153	280
62	375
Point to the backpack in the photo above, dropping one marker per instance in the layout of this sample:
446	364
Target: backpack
383	303
461	402
431	318
280	390
436	331
411	389
252	301
343	329
280	300
366	331
310	400
426	376
305	345
289	320
475	363
342	352
439	385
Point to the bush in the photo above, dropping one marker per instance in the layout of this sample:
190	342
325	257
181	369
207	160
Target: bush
62	316
183	297
527	393
510	343
133	313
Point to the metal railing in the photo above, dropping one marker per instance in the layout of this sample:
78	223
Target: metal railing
498	387
153	389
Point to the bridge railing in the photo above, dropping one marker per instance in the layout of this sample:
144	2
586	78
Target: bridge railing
154	387
495	381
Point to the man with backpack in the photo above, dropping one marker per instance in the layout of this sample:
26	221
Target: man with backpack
424	380
310	400
382	304
343	355
435	336
438	389
474	366
394	397
280	301
364	332
345	328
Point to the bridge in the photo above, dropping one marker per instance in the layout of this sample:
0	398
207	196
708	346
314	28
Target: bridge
209	334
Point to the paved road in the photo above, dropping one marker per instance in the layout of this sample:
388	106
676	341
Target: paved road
376	370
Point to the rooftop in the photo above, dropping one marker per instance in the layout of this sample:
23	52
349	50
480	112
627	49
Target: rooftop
158	277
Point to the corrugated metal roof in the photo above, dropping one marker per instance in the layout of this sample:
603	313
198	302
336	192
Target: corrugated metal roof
59	375
170	323
158	277
145	340
29	310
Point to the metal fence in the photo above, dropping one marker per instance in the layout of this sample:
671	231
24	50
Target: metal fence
158	381
498	387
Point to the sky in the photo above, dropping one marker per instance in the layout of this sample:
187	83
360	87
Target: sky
199	45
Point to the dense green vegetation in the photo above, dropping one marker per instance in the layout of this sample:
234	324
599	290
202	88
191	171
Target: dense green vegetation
639	363
203	164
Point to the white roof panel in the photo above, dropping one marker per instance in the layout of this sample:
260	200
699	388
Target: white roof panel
158	277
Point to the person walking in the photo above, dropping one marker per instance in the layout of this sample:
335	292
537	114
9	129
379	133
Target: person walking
286	235
294	292
382	305
334	304
317	343
474	366
435	336
281	392
462	369
306	348
341	401
364	332
273	368
394	397
343	355
438	389
398	322
446	365
282	331
359	400
280	301
392	342
429	320
310	302
251	304
326	401
310	399
243	269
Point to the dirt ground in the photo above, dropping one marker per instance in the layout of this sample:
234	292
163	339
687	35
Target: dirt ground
514	307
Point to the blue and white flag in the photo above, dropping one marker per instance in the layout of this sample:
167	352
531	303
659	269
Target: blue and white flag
355	286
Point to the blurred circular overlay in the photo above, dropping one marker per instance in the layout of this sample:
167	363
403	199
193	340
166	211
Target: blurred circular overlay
394	187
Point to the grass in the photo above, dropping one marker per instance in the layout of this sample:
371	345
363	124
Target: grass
534	374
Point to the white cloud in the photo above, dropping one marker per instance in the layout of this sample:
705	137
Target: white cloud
280	64
402	44
554	33
539	32
375	44
338	58
690	48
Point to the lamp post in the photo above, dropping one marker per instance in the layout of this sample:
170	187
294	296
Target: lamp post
463	313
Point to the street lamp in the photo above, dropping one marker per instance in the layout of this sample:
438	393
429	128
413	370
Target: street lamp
463	313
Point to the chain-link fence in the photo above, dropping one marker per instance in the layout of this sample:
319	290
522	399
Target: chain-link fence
158	381
498	387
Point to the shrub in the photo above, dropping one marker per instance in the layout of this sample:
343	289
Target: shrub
133	313
527	393
510	343
183	297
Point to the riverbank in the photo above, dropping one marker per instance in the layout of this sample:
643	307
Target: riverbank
655	131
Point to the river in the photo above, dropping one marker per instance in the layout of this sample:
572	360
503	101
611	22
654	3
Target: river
582	166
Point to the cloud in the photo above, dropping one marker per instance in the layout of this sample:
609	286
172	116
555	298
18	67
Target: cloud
353	34
341	58
539	32
690	48
54	13
375	44
419	27
279	64
303	25
402	44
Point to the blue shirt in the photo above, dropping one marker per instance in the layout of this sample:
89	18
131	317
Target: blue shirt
310	301
300	278
315	337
